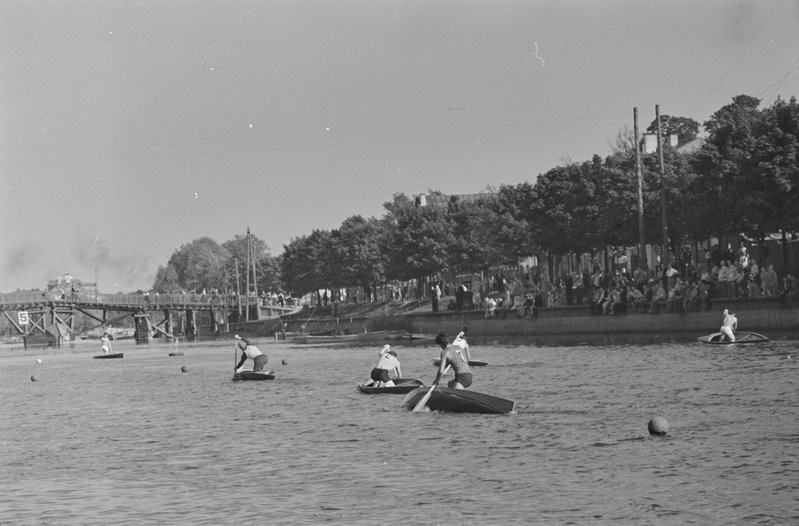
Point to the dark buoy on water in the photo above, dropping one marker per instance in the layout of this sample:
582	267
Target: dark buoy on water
184	369
658	426
285	362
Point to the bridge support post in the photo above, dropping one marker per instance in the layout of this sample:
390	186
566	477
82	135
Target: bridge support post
143	329
168	321
191	325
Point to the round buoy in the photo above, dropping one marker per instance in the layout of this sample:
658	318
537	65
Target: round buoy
34	379
658	426
285	362
184	369
39	360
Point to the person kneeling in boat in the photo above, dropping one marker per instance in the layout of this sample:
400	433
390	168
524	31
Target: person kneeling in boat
105	343
386	364
453	355
728	326
252	352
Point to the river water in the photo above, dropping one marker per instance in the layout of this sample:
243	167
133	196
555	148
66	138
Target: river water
138	441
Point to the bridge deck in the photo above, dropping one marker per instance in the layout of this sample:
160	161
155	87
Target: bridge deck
127	302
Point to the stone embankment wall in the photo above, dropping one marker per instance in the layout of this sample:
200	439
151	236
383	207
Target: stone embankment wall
576	324
762	315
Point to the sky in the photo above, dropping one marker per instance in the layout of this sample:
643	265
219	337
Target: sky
131	128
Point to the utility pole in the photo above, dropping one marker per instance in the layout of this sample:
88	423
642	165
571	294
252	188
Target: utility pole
666	251
641	246
247	280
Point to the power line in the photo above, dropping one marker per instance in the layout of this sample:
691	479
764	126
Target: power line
736	59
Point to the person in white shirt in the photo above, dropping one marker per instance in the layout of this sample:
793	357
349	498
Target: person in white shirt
728	326
386	364
252	352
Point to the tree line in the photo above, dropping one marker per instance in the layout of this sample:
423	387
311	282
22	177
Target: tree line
742	181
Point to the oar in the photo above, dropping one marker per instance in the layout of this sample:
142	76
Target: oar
426	397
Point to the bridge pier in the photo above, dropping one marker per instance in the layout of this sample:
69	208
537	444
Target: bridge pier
143	327
191	324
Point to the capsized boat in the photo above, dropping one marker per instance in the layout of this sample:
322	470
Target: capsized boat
401	386
244	376
356	337
740	337
109	355
473	363
459	401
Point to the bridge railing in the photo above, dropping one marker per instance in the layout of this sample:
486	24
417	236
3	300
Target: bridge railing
128	300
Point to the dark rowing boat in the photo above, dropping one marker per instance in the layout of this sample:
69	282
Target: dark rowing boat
740	337
459	401
401	386
244	376
473	363
111	355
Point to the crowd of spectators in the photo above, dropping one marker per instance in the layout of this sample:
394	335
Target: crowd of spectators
691	287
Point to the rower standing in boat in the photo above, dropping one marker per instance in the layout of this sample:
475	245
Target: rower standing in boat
728	326
252	352
105	343
453	355
386	363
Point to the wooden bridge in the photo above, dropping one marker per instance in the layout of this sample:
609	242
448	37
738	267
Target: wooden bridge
50	317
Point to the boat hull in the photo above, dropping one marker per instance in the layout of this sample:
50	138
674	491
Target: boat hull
361	337
246	376
740	337
459	401
472	363
109	356
402	386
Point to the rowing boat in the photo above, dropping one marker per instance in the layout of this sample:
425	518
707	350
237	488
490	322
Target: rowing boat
111	355
740	337
357	337
473	363
401	386
459	401
253	375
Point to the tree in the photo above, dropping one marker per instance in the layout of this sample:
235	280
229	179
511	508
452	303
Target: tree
166	280
356	252
415	240
302	263
200	265
267	273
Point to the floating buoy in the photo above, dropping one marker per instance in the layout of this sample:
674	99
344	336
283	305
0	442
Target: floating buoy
658	426
39	360
285	362
184	369
34	379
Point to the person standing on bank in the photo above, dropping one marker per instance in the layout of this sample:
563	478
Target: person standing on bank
728	326
252	352
452	355
105	343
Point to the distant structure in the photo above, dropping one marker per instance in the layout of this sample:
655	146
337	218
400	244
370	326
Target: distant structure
441	201
651	142
66	284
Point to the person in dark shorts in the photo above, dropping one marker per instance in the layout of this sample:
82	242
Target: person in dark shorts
452	355
386	363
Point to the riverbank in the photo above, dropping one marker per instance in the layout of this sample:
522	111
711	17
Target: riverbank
574	324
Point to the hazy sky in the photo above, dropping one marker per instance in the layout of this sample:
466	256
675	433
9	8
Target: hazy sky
130	128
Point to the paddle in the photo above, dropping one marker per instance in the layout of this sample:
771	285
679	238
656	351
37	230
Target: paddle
426	397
